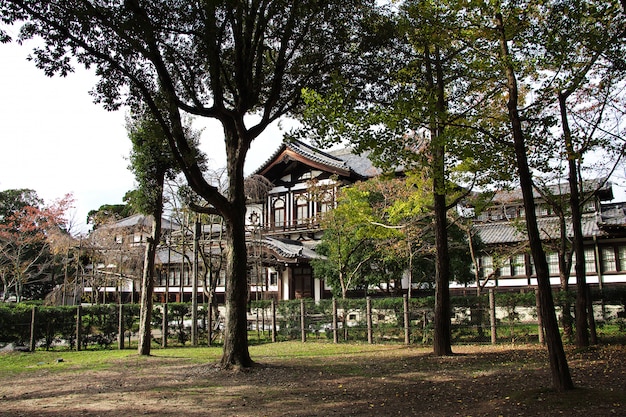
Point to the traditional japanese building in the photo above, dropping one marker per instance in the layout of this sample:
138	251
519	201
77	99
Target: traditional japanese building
301	184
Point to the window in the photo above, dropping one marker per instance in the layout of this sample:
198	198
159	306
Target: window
302	209
518	265
273	278
590	260
221	280
505	269
278	213
326	202
553	263
608	259
487	266
621	257
174	277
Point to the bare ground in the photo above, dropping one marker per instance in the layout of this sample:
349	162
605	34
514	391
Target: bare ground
380	381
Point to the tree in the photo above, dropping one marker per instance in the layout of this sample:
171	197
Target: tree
24	240
152	162
422	115
229	61
561	378
109	212
348	241
582	86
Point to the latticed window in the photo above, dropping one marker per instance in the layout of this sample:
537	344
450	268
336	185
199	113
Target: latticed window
608	259
505	269
326	202
518	265
621	256
302	209
590	261
553	263
487	266
278	213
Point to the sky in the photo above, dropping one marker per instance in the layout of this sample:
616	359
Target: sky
55	140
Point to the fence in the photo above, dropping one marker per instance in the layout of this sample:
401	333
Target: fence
498	318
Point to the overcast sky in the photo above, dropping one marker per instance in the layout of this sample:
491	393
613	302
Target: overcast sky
55	140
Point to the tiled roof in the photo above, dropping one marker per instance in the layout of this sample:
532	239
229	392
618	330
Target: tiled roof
342	159
514	232
556	189
360	164
306	151
136	220
289	249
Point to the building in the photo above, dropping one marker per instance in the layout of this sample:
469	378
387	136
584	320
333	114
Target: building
284	229
506	261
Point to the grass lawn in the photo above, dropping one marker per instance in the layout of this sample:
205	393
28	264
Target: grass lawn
312	379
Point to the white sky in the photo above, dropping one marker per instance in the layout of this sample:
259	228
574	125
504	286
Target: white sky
55	140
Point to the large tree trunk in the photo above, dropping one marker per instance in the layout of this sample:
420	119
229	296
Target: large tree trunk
236	325
435	80
236	321
564	272
561	379
147	285
582	329
441	339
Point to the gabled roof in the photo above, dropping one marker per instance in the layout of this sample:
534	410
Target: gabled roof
342	163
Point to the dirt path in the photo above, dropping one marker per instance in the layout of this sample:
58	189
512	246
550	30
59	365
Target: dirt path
394	381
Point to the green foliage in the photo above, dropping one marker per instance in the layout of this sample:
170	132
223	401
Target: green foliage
107	213
15	200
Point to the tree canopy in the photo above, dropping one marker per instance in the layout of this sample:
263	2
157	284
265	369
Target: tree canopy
227	60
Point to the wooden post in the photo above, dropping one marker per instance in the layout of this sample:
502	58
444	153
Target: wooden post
407	320
593	335
164	327
79	326
302	321
335	334
368	309
540	331
120	328
258	332
273	321
32	329
492	316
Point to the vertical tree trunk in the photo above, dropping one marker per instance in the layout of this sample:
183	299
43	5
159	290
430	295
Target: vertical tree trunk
194	284
236	320
434	74
561	379
582	329
147	279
